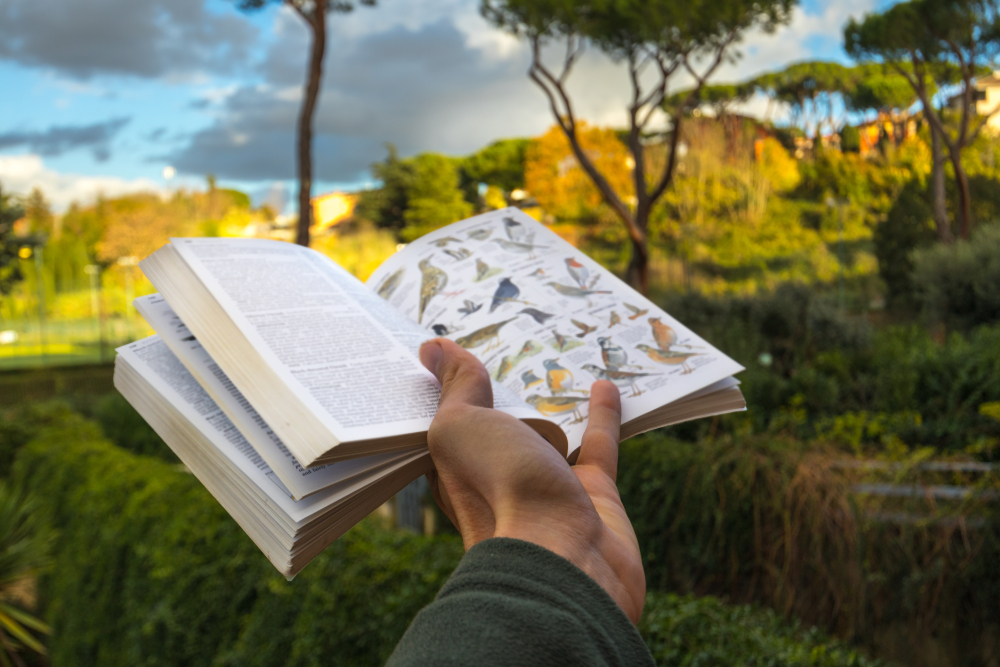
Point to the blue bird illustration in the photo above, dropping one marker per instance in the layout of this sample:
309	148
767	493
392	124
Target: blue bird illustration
506	293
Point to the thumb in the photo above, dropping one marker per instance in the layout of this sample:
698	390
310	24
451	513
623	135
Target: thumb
464	380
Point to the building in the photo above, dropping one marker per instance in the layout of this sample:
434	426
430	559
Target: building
987	97
331	209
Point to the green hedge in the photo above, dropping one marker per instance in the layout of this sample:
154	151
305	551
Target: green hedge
771	520
151	571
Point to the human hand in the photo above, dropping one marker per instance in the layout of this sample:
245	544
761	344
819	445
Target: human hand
496	477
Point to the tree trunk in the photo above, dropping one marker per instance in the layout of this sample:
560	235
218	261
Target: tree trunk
305	126
964	197
637	274
938	195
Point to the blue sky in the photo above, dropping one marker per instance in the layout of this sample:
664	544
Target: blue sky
100	96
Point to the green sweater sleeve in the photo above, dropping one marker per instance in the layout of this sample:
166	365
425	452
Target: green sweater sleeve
514	603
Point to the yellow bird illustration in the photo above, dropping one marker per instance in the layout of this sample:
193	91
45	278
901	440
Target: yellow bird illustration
432	281
559	379
552	406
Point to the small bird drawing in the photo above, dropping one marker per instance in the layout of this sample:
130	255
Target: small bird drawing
536	314
488	334
560	339
578	272
519	248
469	308
613	356
504	368
584	328
574	292
441	243
484	271
432	281
390	283
669	357
537	273
662	334
636	313
530	379
506	292
615	319
443	329
515	230
621	379
552	406
458	255
559	379
480	234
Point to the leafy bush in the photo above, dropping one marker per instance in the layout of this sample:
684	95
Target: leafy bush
126	428
687	631
773	521
960	284
908	225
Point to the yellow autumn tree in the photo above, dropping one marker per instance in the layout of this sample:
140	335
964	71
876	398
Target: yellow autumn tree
554	176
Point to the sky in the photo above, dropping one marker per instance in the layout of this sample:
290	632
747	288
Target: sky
98	97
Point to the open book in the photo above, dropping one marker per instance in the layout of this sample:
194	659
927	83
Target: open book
295	394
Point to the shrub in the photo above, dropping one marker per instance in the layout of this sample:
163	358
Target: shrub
126	428
960	284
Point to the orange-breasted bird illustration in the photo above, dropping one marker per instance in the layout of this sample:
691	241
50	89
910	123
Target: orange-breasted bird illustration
584	328
620	378
432	281
559	379
669	357
636	313
615	319
577	271
560	339
490	334
662	334
552	406
530	379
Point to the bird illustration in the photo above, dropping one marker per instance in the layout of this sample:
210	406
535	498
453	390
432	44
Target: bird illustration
584	328
519	248
441	243
621	379
537	273
577	272
504	368
490	334
458	255
559	379
530	379
515	230
469	308
528	347
669	357
613	356
662	334
484	271
536	314
551	406
575	292
480	234
615	319
443	329
636	313
432	281
389	285
560	339
506	292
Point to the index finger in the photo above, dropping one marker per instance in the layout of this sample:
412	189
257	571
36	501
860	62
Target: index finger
600	440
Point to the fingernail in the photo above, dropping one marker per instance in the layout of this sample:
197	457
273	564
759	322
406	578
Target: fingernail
430	355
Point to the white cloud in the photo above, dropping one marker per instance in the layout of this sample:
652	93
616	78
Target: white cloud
22	173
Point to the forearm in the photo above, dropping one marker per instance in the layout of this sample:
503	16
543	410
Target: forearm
511	602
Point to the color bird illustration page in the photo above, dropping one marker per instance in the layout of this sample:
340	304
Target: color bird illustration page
547	321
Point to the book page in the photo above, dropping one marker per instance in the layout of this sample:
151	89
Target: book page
545	319
353	369
300	481
160	368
